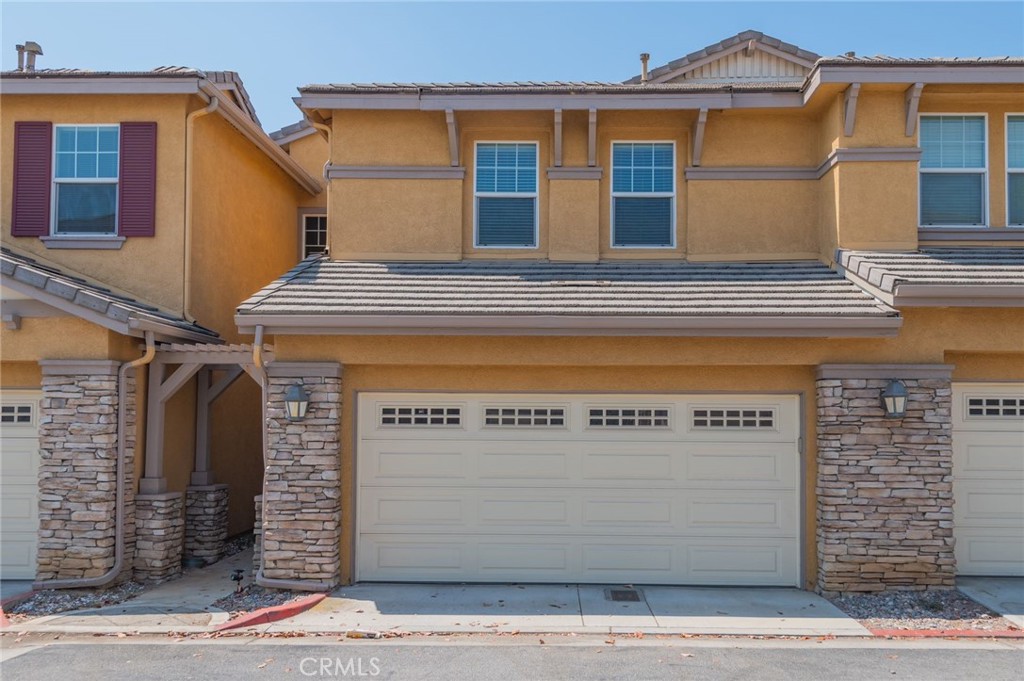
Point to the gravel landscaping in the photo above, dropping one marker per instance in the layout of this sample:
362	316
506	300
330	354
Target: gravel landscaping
254	597
53	601
947	609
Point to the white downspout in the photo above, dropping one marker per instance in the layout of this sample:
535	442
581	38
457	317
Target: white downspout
122	417
261	580
186	296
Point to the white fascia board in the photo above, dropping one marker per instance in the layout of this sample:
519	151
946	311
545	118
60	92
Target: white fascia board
536	102
288	139
558	325
100	86
968	74
947	295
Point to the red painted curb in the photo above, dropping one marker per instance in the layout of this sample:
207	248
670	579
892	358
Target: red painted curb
272	614
948	633
7	603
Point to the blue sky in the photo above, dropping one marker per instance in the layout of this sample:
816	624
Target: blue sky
279	46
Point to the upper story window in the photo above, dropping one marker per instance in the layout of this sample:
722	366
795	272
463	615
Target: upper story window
506	195
954	171
314	234
1015	170
643	194
85	179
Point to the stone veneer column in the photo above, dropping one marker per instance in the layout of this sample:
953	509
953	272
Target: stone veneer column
78	466
206	522
884	486
160	531
257	535
302	497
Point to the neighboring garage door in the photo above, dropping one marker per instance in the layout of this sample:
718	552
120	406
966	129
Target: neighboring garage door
19	469
988	478
656	489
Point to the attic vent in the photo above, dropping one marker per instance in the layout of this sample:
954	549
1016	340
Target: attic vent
995	406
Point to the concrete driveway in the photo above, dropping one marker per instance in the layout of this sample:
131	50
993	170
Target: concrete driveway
577	608
1004	595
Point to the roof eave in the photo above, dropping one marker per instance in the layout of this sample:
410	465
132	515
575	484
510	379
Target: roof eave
573	325
136	325
959	295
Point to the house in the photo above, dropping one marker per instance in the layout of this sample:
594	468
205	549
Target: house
138	210
750	318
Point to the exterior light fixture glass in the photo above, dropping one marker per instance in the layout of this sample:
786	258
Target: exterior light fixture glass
296	401
894	399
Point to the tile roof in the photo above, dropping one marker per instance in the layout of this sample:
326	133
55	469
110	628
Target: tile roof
319	286
72	291
225	80
886	60
937	267
543	87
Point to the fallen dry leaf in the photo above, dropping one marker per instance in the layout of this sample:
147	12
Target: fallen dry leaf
685	654
263	664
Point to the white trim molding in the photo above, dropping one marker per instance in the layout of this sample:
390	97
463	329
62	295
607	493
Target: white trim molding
884	371
842	155
334	172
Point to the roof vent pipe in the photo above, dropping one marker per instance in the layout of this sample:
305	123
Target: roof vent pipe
850	55
644	57
21	56
32	49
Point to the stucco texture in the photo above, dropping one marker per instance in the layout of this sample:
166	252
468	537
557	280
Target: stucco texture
149	267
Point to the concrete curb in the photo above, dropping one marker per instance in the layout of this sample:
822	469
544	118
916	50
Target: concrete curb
272	614
948	633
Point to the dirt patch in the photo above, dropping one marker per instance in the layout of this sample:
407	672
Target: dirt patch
54	601
255	597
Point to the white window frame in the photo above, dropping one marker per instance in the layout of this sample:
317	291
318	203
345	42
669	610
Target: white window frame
501	195
54	181
612	195
302	232
1009	170
985	212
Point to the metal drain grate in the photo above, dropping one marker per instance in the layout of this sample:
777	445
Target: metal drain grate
627	595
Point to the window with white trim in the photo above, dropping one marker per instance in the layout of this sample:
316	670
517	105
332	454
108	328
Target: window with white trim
505	195
314	234
643	194
954	171
1015	170
85	179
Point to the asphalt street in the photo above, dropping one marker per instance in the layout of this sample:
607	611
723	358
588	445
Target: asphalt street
500	660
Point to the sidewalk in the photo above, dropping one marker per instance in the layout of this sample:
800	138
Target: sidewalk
584	609
183	605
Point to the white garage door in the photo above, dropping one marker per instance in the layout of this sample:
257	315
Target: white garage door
698	489
988	478
19	468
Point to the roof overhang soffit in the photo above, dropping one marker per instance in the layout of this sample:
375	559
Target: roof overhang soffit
125	321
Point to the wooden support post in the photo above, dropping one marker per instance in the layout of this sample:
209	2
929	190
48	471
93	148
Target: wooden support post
698	135
160	391
850	108
592	138
453	137
558	138
912	98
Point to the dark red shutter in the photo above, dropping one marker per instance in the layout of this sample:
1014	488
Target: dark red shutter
136	206
33	158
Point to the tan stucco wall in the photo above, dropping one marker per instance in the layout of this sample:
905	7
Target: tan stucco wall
311	152
573	220
54	338
857	205
148	267
994	366
20	375
243	223
752	220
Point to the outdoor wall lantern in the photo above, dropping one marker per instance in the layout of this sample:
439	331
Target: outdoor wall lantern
894	399
296	401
